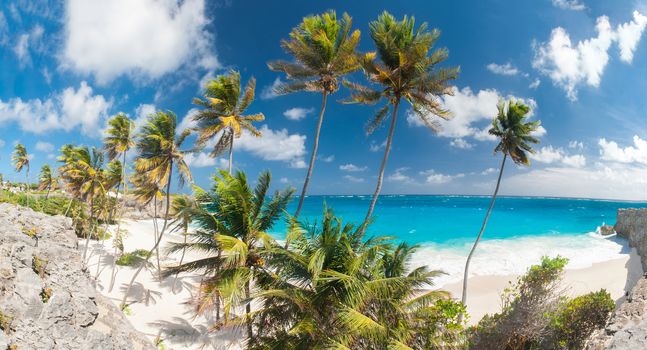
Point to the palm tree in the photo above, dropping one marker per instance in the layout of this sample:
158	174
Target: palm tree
46	181
515	136
324	51
20	160
159	153
336	291
183	210
233	235
408	69
224	108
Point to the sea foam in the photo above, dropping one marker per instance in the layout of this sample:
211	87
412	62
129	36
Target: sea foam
513	256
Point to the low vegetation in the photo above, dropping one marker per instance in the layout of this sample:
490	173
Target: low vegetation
39	266
134	258
5	322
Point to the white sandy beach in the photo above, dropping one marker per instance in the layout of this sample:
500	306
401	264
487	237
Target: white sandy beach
166	311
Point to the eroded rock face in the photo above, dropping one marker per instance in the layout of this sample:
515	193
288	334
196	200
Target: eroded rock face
627	328
46	299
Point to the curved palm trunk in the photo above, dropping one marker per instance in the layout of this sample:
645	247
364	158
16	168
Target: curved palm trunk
380	178
123	199
105	232
87	237
49	188
159	239
186	229
231	153
478	238
157	251
248	310
314	154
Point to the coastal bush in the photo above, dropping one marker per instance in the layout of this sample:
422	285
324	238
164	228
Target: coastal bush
39	266
577	318
45	294
527	305
133	258
5	322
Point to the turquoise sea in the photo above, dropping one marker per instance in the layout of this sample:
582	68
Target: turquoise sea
519	232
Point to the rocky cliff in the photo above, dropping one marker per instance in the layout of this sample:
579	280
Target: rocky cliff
627	328
47	301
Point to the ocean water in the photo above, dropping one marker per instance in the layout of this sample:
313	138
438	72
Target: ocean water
520	231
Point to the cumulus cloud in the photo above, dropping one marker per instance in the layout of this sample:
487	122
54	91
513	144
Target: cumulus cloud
297	113
552	155
326	159
575	144
488	171
353	178
374	147
574	5
278	145
44	147
145	38
460	143
203	160
268	92
570	65
399	176
502	69
187	122
67	110
435	178
535	83
472	113
609	150
352	168
26	41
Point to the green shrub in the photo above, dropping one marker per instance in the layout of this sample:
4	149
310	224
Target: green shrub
5	322
45	294
39	265
577	318
133	258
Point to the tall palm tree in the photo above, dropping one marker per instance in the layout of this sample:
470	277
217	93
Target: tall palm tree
46	181
224	107
20	160
160	151
408	69
324	51
183	209
233	234
515	136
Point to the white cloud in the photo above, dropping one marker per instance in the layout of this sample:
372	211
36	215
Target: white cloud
609	150
326	159
67	110
488	171
187	122
284	180
399	176
352	168
353	178
44	147
472	113
576	144
570	65
276	145
502	69
535	83
268	92
297	113
435	178
460	143
144	38
374	147
25	40
575	5
551	155
203	160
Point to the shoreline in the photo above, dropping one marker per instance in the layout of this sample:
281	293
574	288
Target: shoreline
168	312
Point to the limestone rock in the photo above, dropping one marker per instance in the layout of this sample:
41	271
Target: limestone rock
43	289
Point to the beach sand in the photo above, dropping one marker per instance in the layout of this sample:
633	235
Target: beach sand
165	310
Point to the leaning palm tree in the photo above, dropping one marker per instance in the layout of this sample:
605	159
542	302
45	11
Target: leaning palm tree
20	160
408	69
233	235
46	181
515	136
223	114
183	209
159	154
324	50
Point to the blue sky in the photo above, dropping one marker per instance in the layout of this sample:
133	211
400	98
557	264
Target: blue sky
70	65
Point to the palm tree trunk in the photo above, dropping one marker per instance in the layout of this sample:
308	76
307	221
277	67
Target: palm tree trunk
159	239
231	152
478	238
87	236
314	154
248	310
157	233
105	232
47	194
380	178
186	229
123	199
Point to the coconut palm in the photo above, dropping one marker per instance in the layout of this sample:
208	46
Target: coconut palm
515	136
324	51
183	209
233	235
46	181
20	160
160	152
408	69
224	113
336	291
